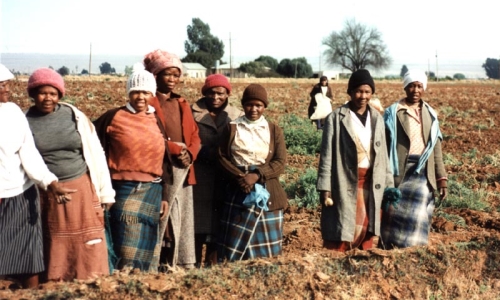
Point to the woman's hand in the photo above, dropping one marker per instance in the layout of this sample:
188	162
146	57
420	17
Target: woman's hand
443	192
184	158
325	197
163	210
60	193
247	181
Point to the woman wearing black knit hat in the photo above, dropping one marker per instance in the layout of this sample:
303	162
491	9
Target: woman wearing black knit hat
351	183
252	154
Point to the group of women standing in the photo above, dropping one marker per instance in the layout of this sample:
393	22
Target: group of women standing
377	174
137	163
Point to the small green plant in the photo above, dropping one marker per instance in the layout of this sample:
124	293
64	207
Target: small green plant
301	137
303	191
461	196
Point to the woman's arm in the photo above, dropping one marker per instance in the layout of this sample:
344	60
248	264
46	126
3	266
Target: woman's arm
276	165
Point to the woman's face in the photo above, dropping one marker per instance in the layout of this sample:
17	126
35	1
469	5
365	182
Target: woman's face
46	98
414	92
361	95
216	97
167	79
253	109
324	82
4	91
139	100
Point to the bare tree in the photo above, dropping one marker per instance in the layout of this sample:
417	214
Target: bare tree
356	47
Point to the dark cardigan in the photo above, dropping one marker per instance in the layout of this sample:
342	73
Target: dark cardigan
269	172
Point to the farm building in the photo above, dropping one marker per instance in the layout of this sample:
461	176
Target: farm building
225	69
194	70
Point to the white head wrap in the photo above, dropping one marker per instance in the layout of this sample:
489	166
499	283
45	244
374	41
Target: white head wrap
5	74
415	75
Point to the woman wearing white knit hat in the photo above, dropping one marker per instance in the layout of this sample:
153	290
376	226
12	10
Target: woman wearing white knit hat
414	146
21	166
139	164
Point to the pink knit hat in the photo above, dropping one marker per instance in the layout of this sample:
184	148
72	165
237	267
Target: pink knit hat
160	60
216	80
46	76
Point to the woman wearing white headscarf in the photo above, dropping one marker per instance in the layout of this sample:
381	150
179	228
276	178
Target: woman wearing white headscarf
414	146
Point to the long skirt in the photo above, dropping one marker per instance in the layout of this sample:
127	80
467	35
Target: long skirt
73	234
362	238
21	250
135	223
408	223
248	233
181	218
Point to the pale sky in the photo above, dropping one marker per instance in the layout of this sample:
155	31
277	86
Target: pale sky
463	33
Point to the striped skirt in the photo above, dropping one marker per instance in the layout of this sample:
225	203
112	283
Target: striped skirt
362	238
73	233
249	232
408	224
21	250
135	223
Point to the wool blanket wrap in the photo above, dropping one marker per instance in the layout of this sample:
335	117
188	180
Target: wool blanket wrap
181	218
249	232
21	249
73	233
408	224
362	238
135	223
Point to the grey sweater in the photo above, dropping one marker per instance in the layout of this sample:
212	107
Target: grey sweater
58	141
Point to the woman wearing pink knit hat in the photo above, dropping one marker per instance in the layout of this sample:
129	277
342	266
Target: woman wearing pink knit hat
21	167
212	113
74	242
184	144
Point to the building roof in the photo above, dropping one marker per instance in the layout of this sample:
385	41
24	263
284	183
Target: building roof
193	66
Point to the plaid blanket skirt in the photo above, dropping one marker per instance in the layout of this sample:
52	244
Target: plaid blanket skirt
21	247
135	223
249	232
408	224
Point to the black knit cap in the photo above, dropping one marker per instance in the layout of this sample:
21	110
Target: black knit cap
255	92
360	77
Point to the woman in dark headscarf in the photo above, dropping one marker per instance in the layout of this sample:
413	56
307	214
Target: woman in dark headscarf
414	143
353	169
321	89
252	154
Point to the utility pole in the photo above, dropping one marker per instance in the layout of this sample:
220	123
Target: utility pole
90	60
319	70
436	65
230	59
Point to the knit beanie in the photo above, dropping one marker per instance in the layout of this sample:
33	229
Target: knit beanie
255	92
5	74
46	76
141	80
160	60
360	77
415	75
216	80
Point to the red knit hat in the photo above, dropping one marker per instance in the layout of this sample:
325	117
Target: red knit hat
159	60
46	76
255	92
216	80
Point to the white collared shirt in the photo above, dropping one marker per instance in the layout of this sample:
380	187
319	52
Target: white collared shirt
251	141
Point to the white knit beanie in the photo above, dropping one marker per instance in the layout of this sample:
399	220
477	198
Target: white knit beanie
141	80
5	74
415	75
